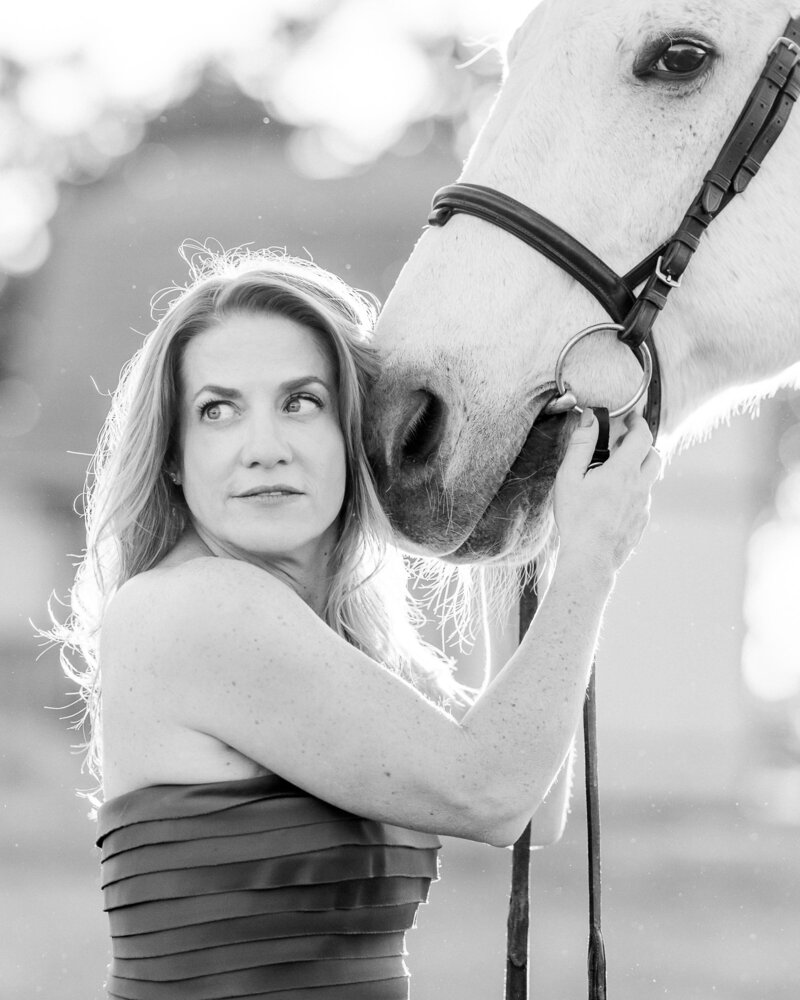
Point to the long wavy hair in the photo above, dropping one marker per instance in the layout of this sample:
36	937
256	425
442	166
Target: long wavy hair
135	514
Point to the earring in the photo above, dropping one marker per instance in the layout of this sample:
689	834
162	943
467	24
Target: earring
175	478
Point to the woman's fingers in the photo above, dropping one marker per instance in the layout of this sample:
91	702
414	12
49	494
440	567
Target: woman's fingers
637	441
581	445
604	511
633	450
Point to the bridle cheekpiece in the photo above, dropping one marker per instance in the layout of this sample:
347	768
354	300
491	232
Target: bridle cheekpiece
633	313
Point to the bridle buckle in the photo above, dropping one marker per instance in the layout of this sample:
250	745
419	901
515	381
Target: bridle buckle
790	45
667	278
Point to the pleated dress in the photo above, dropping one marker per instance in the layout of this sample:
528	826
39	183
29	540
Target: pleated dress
254	888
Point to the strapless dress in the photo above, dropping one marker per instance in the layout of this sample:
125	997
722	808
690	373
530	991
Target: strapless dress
254	888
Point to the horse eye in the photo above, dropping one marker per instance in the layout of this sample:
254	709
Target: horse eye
674	59
682	59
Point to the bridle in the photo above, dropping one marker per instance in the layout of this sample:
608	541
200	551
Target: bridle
633	314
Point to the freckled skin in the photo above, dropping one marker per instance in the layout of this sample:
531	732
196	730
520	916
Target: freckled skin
216	663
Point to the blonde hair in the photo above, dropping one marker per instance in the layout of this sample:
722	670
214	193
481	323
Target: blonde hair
135	514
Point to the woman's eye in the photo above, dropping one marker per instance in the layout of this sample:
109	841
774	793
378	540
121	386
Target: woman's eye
304	403
216	410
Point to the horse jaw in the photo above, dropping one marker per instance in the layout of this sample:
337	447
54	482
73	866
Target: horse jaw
477	318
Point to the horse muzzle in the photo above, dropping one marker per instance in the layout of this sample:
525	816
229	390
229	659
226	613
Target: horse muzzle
459	489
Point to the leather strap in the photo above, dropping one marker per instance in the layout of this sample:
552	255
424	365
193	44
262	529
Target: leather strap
518	923
596	958
755	132
540	233
614	293
757	128
601	450
516	986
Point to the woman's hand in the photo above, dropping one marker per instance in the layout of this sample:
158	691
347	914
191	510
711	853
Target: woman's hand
601	513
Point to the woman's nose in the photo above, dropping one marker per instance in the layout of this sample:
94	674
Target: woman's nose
266	442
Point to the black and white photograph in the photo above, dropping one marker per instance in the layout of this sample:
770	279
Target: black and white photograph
400	500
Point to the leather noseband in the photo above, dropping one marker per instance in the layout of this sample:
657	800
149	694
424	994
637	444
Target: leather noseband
753	135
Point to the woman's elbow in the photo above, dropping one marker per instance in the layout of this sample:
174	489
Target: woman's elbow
488	814
488	824
507	834
547	826
486	833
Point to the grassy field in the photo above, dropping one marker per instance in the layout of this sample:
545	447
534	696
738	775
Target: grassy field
700	902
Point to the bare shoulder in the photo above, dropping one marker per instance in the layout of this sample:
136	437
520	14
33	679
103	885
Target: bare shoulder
190	578
200	595
219	668
206	631
170	629
166	634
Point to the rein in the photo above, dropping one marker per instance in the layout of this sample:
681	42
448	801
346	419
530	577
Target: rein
633	313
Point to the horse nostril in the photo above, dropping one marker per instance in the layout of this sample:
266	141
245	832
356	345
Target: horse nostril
424	430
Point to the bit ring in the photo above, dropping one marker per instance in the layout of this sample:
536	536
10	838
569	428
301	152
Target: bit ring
641	351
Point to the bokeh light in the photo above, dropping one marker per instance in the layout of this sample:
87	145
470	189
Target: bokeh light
79	82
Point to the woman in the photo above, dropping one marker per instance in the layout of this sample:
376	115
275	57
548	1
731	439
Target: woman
272	790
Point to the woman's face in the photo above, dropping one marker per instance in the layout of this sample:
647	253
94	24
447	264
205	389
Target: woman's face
262	453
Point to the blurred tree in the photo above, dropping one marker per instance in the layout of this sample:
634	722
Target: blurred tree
80	82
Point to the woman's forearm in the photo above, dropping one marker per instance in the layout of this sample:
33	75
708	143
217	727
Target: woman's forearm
549	820
521	729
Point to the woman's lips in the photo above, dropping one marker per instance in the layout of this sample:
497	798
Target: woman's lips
268	496
257	491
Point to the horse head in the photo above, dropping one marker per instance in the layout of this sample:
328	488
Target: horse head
608	119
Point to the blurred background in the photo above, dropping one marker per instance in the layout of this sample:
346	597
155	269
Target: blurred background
324	126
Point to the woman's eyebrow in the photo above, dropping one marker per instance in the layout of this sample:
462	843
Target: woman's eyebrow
298	383
288	386
218	390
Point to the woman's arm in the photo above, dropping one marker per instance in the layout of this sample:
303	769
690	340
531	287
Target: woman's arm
223	648
550	818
